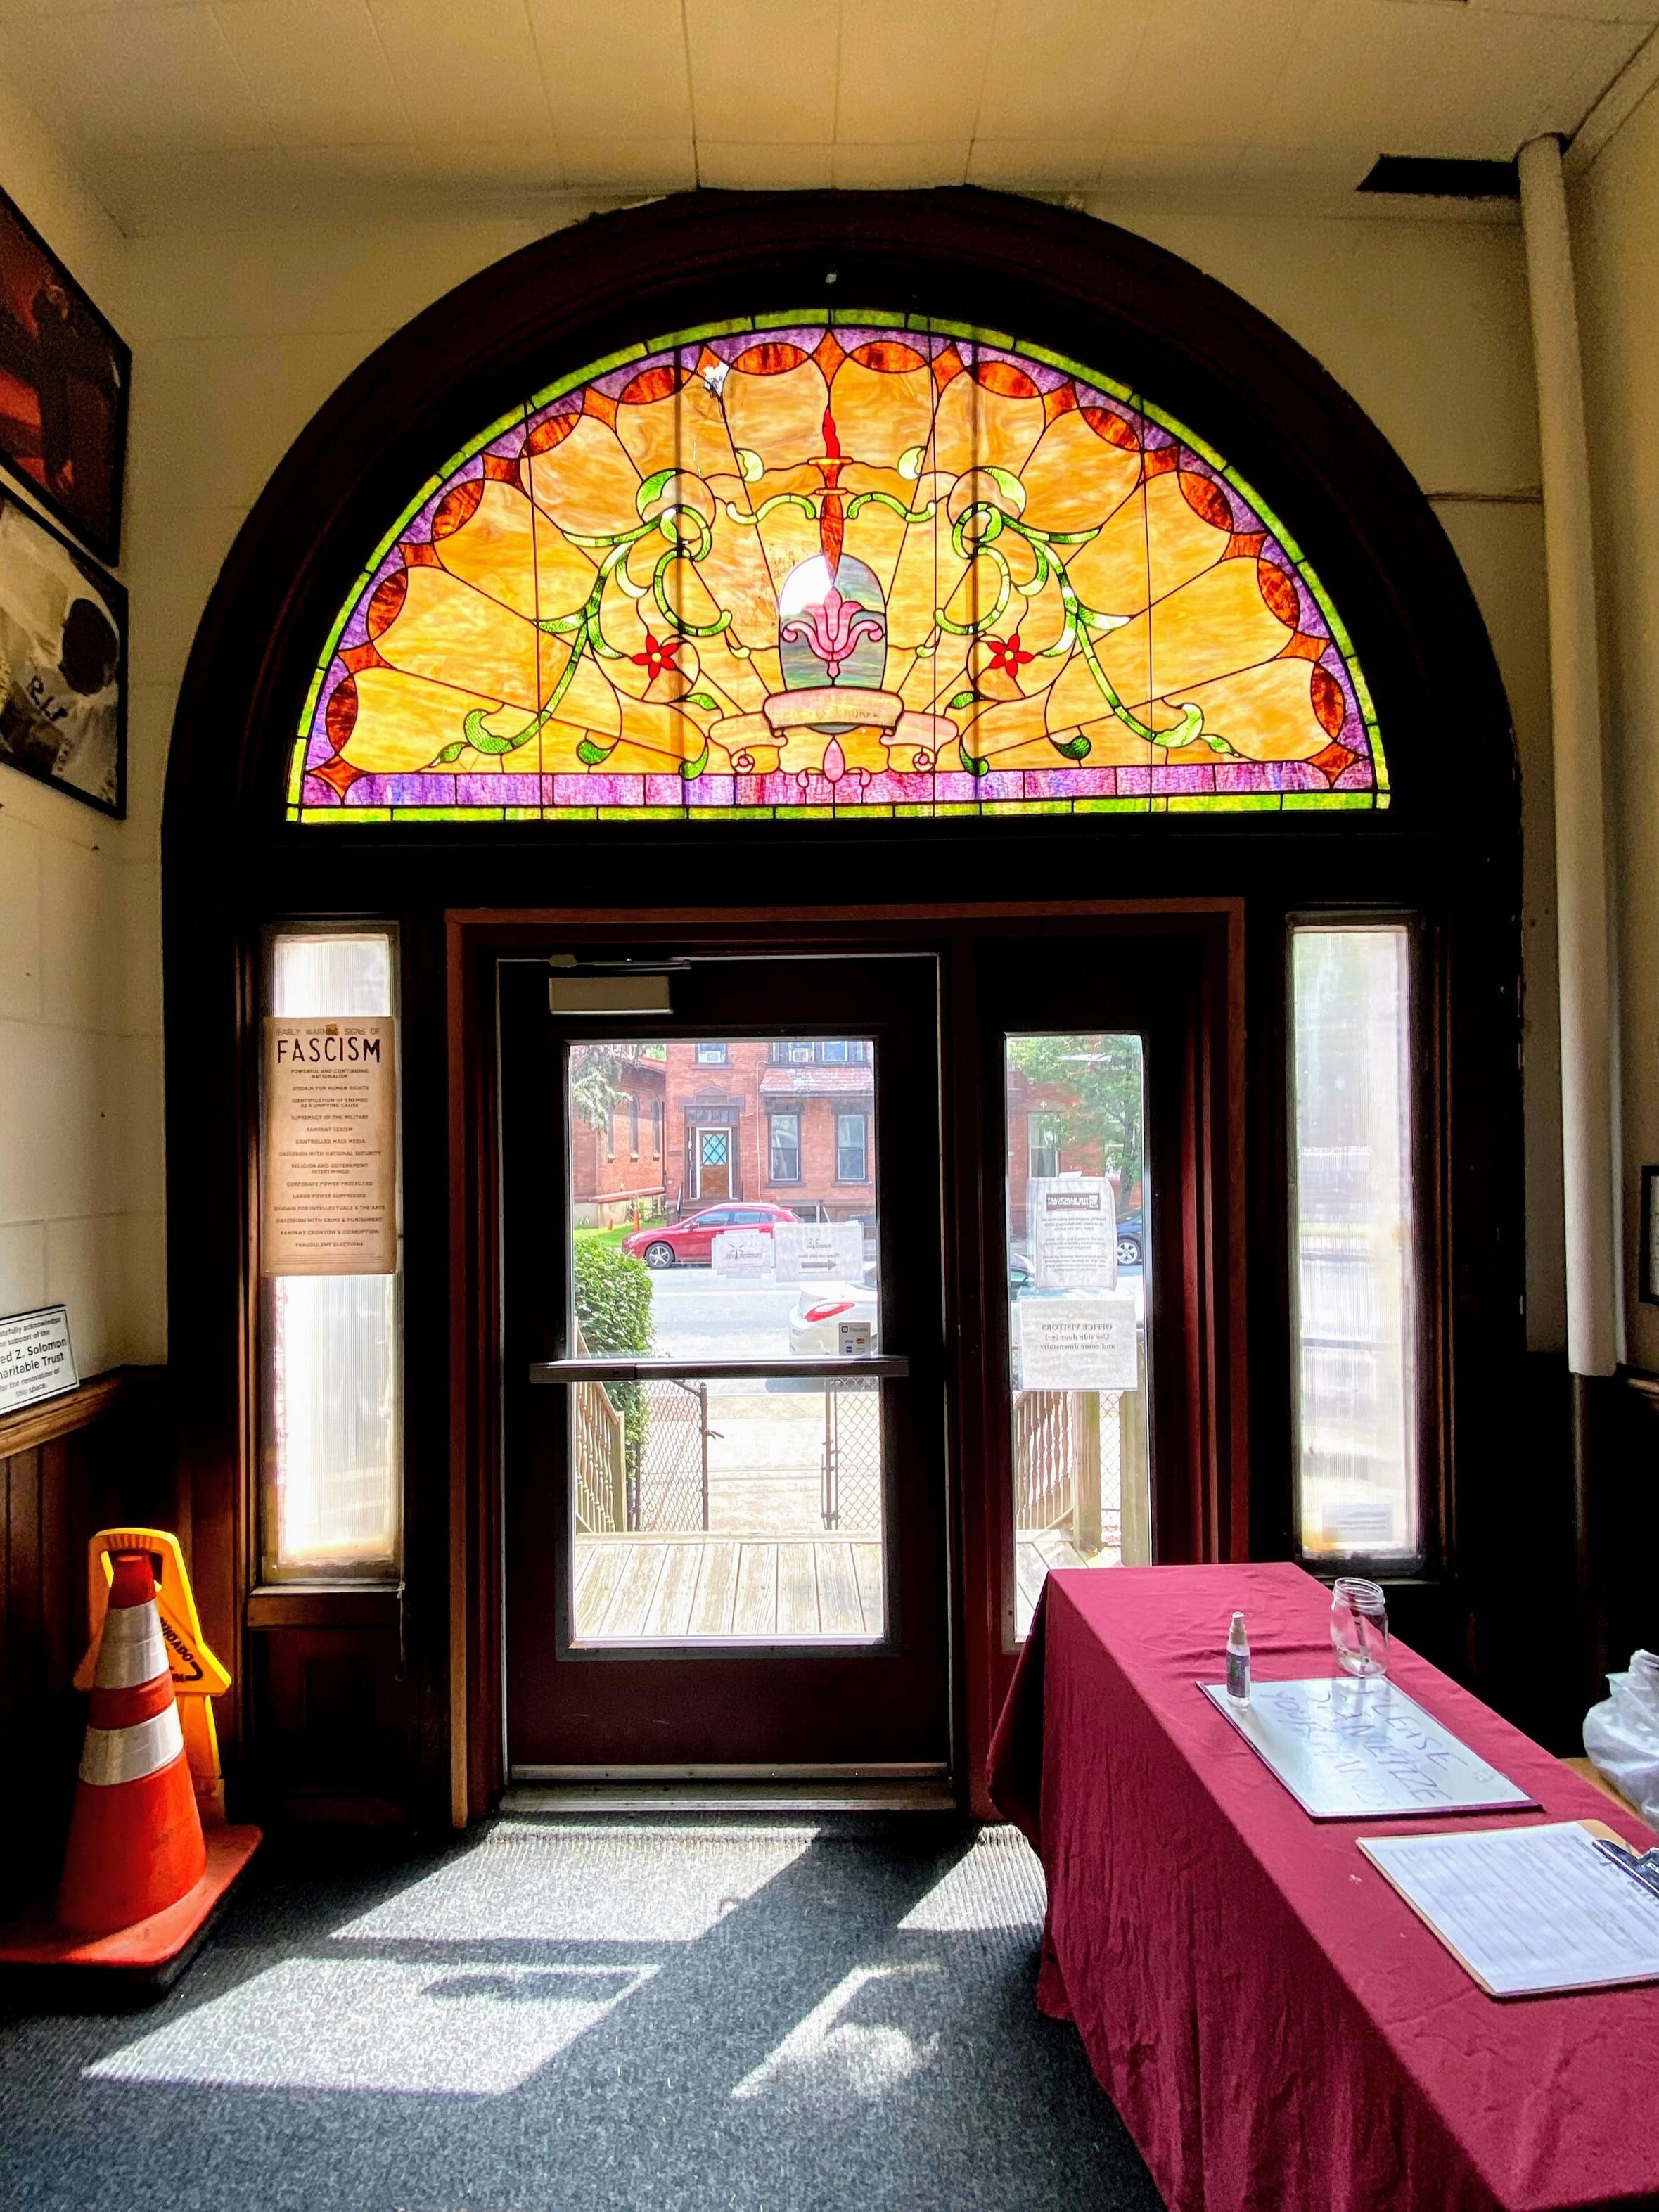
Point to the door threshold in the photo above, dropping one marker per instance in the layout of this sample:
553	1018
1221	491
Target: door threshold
671	1791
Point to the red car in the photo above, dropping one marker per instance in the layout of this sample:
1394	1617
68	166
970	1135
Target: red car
689	1243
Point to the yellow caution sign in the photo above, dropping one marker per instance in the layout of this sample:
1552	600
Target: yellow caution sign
197	1674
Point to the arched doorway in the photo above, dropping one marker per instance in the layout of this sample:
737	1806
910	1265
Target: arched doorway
740	593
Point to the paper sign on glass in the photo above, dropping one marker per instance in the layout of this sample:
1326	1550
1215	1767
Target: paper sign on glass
330	1181
1073	1234
1077	1344
741	1252
1348	1750
812	1251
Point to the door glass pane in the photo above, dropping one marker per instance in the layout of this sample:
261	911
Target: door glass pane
1353	1243
1078	1262
707	1507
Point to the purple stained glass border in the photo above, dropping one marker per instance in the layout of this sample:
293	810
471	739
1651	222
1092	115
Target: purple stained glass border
1028	787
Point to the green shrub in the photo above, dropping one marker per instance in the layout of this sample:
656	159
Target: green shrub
613	1312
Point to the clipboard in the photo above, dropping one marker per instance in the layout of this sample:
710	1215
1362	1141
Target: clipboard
1597	1828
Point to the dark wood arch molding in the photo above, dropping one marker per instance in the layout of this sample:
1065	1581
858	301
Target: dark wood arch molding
1448	846
1097	292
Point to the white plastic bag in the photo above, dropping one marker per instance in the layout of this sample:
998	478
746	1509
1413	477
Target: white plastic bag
1622	1736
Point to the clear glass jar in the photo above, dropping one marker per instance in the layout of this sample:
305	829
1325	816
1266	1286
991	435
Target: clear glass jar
1360	1626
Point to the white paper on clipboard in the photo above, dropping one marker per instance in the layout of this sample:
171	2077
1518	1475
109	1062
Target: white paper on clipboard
1529	1911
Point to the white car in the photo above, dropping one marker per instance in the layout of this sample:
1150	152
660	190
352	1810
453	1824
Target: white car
821	1312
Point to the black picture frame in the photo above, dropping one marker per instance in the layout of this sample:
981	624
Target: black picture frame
33	683
80	384
1647	1289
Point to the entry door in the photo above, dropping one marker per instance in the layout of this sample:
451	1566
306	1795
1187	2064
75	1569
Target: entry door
712	1151
724	1503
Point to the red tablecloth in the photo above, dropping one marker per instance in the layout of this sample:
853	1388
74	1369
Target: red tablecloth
1278	2029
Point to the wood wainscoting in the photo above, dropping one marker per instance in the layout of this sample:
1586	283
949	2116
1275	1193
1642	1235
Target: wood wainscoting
97	1455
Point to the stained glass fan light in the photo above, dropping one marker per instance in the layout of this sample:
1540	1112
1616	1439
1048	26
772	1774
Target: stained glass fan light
782	568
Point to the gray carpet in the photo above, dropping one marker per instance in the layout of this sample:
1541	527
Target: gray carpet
564	2013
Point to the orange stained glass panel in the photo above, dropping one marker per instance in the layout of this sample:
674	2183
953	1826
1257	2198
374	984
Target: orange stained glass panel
797	567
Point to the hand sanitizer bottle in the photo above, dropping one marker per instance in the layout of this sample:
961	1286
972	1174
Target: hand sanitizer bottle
1238	1662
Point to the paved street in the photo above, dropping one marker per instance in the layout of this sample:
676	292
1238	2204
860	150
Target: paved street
700	1317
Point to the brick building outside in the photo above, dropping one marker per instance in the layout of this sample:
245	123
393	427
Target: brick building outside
790	1120
617	1172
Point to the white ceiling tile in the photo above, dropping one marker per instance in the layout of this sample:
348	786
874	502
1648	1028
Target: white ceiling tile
318	69
614	71
903	162
911	69
1581	11
163	101
141	76
763	73
1061	69
628	165
1206	69
1438	80
465	73
1040	164
744	167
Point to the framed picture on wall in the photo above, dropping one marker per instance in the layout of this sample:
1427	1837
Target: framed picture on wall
62	663
64	372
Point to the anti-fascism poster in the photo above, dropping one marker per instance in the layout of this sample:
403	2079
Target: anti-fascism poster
329	1186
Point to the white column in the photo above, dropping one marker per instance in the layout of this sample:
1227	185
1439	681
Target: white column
1581	863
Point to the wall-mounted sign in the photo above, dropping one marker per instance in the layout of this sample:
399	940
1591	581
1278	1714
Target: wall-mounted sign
1077	1344
36	1358
1647	1287
817	1251
330	1184
1073	1233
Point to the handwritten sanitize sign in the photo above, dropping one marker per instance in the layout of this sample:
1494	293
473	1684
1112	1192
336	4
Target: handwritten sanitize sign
36	1360
330	1182
1348	1750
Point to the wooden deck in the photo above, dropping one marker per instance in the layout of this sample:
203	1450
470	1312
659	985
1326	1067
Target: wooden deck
688	1588
682	1589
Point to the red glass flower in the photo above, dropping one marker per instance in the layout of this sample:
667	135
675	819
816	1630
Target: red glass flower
1007	658
660	654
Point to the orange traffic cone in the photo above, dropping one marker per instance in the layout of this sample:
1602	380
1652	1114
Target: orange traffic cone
135	1844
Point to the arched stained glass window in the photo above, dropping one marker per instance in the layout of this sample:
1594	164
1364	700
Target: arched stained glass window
789	567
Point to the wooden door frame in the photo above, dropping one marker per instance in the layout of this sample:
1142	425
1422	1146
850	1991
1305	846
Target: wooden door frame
1214	1293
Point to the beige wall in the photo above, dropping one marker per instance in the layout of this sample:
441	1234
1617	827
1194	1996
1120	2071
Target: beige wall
79	995
241	334
1616	244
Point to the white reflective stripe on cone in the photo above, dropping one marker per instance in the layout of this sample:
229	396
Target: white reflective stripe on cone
128	1755
132	1651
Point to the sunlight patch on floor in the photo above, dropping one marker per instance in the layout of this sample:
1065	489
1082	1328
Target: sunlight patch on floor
589	1884
456	2030
830	2054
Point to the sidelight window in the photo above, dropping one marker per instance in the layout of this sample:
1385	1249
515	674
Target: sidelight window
331	1306
1354	1266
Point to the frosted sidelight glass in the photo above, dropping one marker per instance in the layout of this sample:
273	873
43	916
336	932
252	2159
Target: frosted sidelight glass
1353	1243
331	1345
